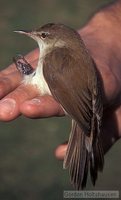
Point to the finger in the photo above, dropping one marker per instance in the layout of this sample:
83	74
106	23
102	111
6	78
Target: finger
61	151
10	69
31	57
9	83
41	106
9	106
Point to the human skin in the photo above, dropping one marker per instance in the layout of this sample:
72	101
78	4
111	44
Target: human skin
102	38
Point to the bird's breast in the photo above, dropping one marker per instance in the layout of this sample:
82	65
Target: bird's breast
37	79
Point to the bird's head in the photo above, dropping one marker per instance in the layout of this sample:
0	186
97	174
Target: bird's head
53	35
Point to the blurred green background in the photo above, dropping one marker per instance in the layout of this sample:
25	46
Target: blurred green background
28	168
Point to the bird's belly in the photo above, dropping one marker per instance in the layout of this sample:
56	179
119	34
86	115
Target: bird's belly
37	79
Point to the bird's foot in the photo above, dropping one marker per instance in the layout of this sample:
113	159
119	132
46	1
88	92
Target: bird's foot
22	65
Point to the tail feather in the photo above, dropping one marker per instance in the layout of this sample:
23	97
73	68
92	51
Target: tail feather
100	154
80	166
70	149
84	181
93	168
96	161
78	158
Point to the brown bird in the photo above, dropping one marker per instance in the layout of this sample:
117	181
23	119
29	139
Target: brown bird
66	71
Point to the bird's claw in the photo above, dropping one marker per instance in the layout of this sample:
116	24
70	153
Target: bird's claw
22	65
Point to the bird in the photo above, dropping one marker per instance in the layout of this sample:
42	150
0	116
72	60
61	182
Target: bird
66	71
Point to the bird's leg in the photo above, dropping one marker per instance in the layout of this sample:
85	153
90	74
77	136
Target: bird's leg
22	65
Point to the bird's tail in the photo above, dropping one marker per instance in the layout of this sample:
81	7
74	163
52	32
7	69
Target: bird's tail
82	156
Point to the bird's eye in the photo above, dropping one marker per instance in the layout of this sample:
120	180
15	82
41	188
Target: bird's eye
43	35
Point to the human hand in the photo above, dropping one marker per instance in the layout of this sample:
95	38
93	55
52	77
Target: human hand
17	98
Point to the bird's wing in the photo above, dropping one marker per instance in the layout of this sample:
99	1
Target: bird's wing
68	78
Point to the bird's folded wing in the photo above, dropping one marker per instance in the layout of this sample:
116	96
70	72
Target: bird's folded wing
68	77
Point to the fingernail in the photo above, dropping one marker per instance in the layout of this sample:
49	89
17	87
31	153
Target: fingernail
35	101
7	106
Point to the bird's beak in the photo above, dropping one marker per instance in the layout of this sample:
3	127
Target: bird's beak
28	33
31	34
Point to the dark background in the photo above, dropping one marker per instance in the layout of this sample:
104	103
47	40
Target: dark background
28	168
